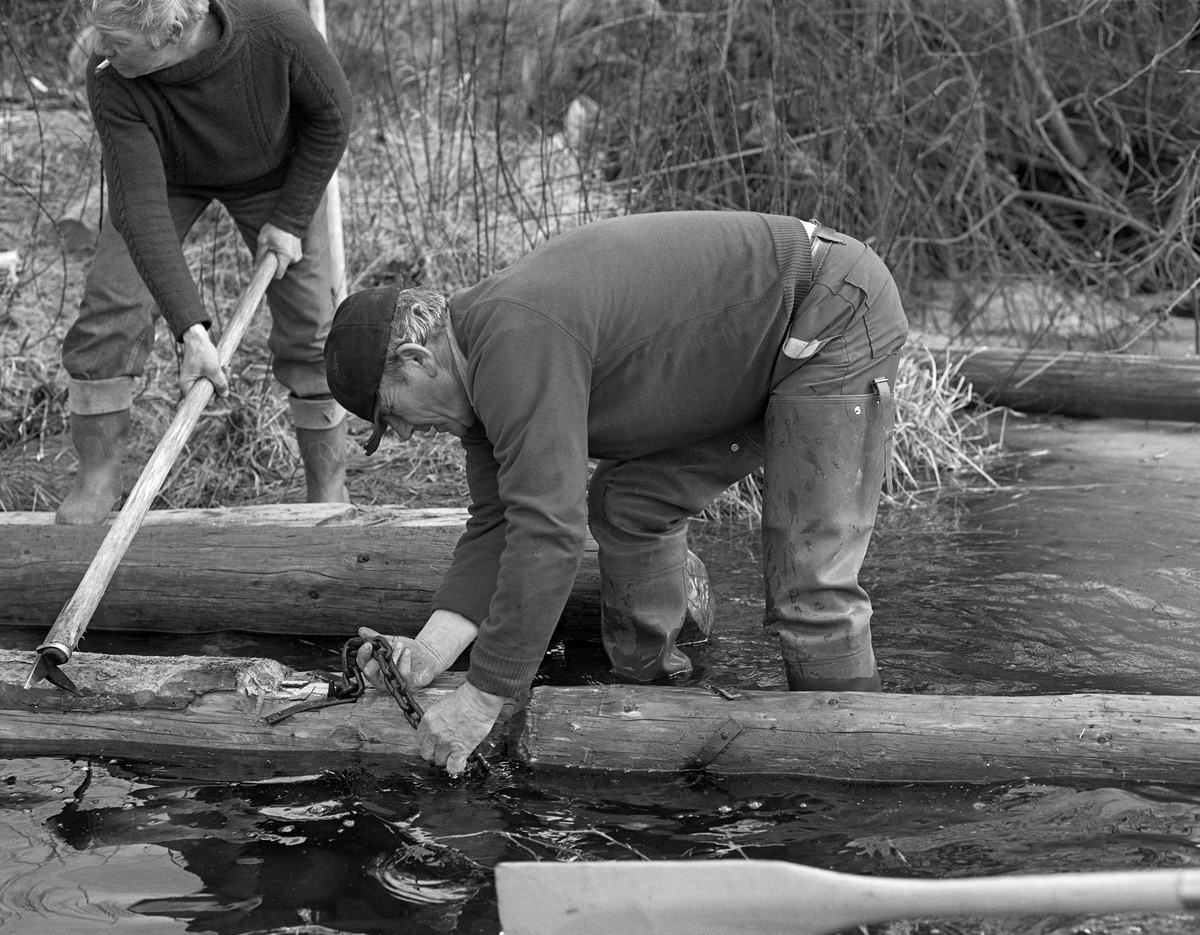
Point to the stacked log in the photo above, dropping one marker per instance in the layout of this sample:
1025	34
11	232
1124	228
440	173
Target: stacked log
296	569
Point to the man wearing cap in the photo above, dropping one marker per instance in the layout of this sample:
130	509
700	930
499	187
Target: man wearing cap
683	350
240	101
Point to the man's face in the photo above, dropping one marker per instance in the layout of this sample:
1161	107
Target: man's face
424	401
133	53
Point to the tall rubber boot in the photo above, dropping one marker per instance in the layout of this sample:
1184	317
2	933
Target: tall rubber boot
643	606
324	454
100	443
825	464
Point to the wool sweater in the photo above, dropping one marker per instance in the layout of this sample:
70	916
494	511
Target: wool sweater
620	338
267	108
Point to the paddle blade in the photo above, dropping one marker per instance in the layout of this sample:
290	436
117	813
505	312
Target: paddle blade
767	897
725	897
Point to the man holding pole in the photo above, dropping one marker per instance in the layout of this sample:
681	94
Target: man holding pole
683	350
194	100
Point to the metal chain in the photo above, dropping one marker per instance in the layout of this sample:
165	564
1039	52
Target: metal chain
350	685
394	682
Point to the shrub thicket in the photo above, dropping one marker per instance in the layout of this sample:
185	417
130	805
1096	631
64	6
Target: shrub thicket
967	140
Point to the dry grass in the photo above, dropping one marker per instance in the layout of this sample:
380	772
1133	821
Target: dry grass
942	434
942	441
483	129
243	450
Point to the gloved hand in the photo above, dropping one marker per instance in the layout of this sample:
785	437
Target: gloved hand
452	729
285	246
414	664
440	642
200	359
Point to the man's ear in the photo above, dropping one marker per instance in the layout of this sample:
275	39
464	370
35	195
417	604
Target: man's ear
418	354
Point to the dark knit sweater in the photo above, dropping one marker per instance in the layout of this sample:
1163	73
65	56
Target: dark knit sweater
621	338
267	108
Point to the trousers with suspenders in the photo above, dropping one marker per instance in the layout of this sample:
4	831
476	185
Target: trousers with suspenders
824	443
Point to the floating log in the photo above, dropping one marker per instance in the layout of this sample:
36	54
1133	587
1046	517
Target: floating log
863	737
1084	384
297	569
151	707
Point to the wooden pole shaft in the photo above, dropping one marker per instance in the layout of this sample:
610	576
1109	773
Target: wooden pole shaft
64	636
333	194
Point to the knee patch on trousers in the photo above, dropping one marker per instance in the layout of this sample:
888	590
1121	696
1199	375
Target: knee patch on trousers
315	413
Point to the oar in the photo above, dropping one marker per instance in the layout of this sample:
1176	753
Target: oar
766	897
64	636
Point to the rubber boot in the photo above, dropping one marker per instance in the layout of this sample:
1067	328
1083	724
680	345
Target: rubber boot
324	454
643	605
824	470
100	443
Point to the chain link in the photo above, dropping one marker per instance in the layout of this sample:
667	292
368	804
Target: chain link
348	687
393	681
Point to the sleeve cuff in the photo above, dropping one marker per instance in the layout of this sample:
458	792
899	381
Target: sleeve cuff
500	676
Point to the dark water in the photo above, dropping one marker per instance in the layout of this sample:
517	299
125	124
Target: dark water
1080	575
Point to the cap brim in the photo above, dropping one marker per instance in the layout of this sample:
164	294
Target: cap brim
376	437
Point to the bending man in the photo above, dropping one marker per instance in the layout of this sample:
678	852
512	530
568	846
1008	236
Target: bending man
684	350
194	100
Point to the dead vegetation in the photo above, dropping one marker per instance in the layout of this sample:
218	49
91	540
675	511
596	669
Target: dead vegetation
982	148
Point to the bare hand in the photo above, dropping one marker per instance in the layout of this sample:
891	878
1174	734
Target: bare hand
285	246
452	729
200	359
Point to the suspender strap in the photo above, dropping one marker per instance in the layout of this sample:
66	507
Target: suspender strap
793	253
883	394
799	258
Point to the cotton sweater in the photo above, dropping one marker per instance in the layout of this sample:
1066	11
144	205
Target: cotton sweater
267	108
620	338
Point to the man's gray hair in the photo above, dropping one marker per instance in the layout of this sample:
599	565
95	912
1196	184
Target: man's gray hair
420	317
155	18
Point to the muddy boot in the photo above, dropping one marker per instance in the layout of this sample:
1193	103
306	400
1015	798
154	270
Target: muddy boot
824	471
643	603
324	454
100	442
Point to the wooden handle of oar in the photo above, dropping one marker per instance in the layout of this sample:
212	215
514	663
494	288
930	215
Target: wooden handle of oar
64	636
1067	894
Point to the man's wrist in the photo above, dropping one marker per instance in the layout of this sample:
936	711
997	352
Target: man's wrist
196	333
485	703
444	638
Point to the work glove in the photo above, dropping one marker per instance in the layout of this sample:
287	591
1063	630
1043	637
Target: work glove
404	652
440	642
452	729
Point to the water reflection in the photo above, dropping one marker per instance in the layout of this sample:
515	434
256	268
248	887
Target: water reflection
352	852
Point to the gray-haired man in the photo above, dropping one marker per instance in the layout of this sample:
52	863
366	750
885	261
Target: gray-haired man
235	100
683	350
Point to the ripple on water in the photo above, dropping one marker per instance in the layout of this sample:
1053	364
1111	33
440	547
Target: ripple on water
971	602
